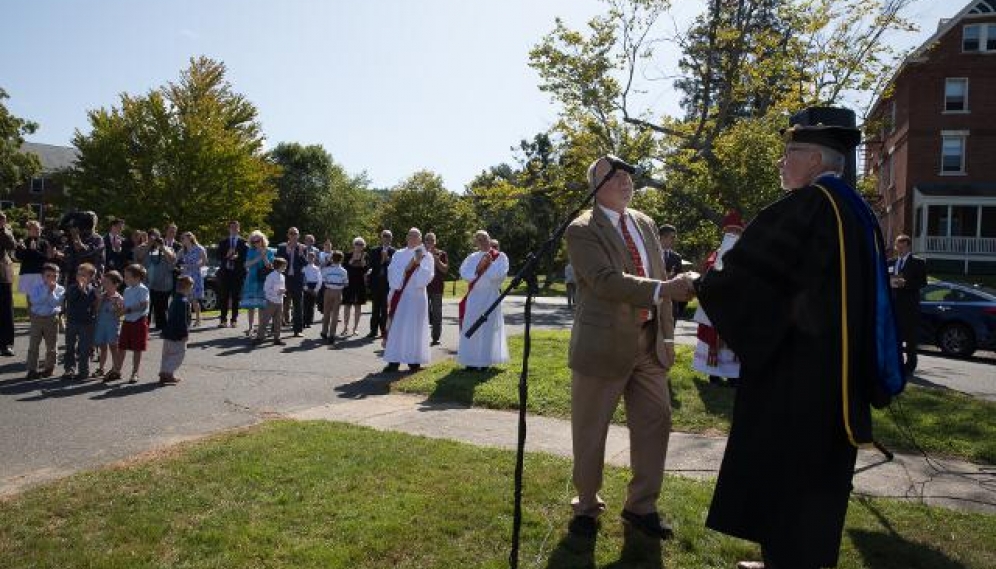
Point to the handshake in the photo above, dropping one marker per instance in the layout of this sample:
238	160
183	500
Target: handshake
680	288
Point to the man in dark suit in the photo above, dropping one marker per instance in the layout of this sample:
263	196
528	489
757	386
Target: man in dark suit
622	346
117	249
672	264
380	259
231	274
7	247
296	254
908	275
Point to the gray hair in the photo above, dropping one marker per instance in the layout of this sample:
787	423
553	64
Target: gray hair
832	159
359	241
429	235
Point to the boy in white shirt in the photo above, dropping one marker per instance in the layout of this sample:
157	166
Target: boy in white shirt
45	305
334	279
312	282
274	289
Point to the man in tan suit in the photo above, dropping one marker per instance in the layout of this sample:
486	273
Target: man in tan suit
622	345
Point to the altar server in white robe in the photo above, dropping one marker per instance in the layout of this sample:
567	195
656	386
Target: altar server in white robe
485	271
410	271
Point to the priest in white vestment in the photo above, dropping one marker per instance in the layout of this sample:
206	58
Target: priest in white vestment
484	270
410	271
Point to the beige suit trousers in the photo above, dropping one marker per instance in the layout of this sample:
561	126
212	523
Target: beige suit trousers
648	415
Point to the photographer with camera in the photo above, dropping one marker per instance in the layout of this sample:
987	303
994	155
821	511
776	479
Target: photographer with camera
159	261
85	245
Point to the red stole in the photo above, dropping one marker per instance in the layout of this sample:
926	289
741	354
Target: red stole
395	299
463	301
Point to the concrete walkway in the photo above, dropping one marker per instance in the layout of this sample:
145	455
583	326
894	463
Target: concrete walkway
947	483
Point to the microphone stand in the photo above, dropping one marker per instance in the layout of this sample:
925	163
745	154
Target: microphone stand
528	273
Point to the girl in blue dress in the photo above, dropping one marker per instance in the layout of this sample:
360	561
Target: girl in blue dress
259	259
110	305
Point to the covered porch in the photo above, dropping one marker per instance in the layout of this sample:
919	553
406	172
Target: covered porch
955	227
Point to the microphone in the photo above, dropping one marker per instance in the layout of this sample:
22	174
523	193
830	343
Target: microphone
620	164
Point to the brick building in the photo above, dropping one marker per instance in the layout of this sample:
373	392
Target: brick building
934	152
39	192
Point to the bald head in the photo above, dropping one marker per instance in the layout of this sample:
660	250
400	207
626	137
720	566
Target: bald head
617	191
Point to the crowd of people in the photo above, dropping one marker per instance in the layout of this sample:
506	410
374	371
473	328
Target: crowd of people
108	293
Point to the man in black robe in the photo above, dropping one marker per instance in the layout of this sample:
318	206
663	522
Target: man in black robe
813	261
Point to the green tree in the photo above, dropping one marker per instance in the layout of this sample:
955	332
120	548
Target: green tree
317	195
745	64
16	167
422	201
188	152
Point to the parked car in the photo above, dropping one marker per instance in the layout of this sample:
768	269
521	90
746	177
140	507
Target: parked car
958	319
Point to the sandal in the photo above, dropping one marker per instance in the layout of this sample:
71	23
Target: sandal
112	376
133	379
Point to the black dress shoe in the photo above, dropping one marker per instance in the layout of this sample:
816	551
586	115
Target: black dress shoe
583	526
371	335
650	524
414	367
434	343
391	368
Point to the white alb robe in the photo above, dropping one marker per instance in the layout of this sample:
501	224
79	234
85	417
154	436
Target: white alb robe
408	336
727	362
488	346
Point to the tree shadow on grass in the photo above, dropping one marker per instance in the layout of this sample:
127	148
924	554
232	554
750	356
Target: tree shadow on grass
459	385
717	399
887	548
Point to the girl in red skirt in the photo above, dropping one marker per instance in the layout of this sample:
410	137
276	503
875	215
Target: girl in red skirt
134	336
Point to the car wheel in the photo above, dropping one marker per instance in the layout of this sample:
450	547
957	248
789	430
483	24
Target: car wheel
956	340
210	301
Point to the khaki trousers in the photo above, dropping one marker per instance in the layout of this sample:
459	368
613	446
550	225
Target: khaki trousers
270	316
173	354
330	310
47	328
648	416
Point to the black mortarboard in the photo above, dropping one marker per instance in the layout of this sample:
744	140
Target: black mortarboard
840	138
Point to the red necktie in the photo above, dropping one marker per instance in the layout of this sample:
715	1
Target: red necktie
637	261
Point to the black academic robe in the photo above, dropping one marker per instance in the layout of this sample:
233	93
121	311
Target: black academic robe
797	421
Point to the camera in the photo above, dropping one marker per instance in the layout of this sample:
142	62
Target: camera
73	222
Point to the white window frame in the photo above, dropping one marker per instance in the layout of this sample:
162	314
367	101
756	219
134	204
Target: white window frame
964	110
31	186
984	37
961	135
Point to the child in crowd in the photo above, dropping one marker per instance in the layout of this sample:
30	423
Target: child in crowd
81	312
274	288
46	304
134	335
176	331
312	280
110	307
334	279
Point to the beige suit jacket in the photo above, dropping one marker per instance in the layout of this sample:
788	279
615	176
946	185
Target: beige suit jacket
610	295
7	247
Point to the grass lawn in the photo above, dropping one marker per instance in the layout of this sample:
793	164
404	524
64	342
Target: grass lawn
458	288
943	421
315	494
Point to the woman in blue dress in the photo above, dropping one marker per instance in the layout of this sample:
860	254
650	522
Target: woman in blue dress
194	256
259	259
